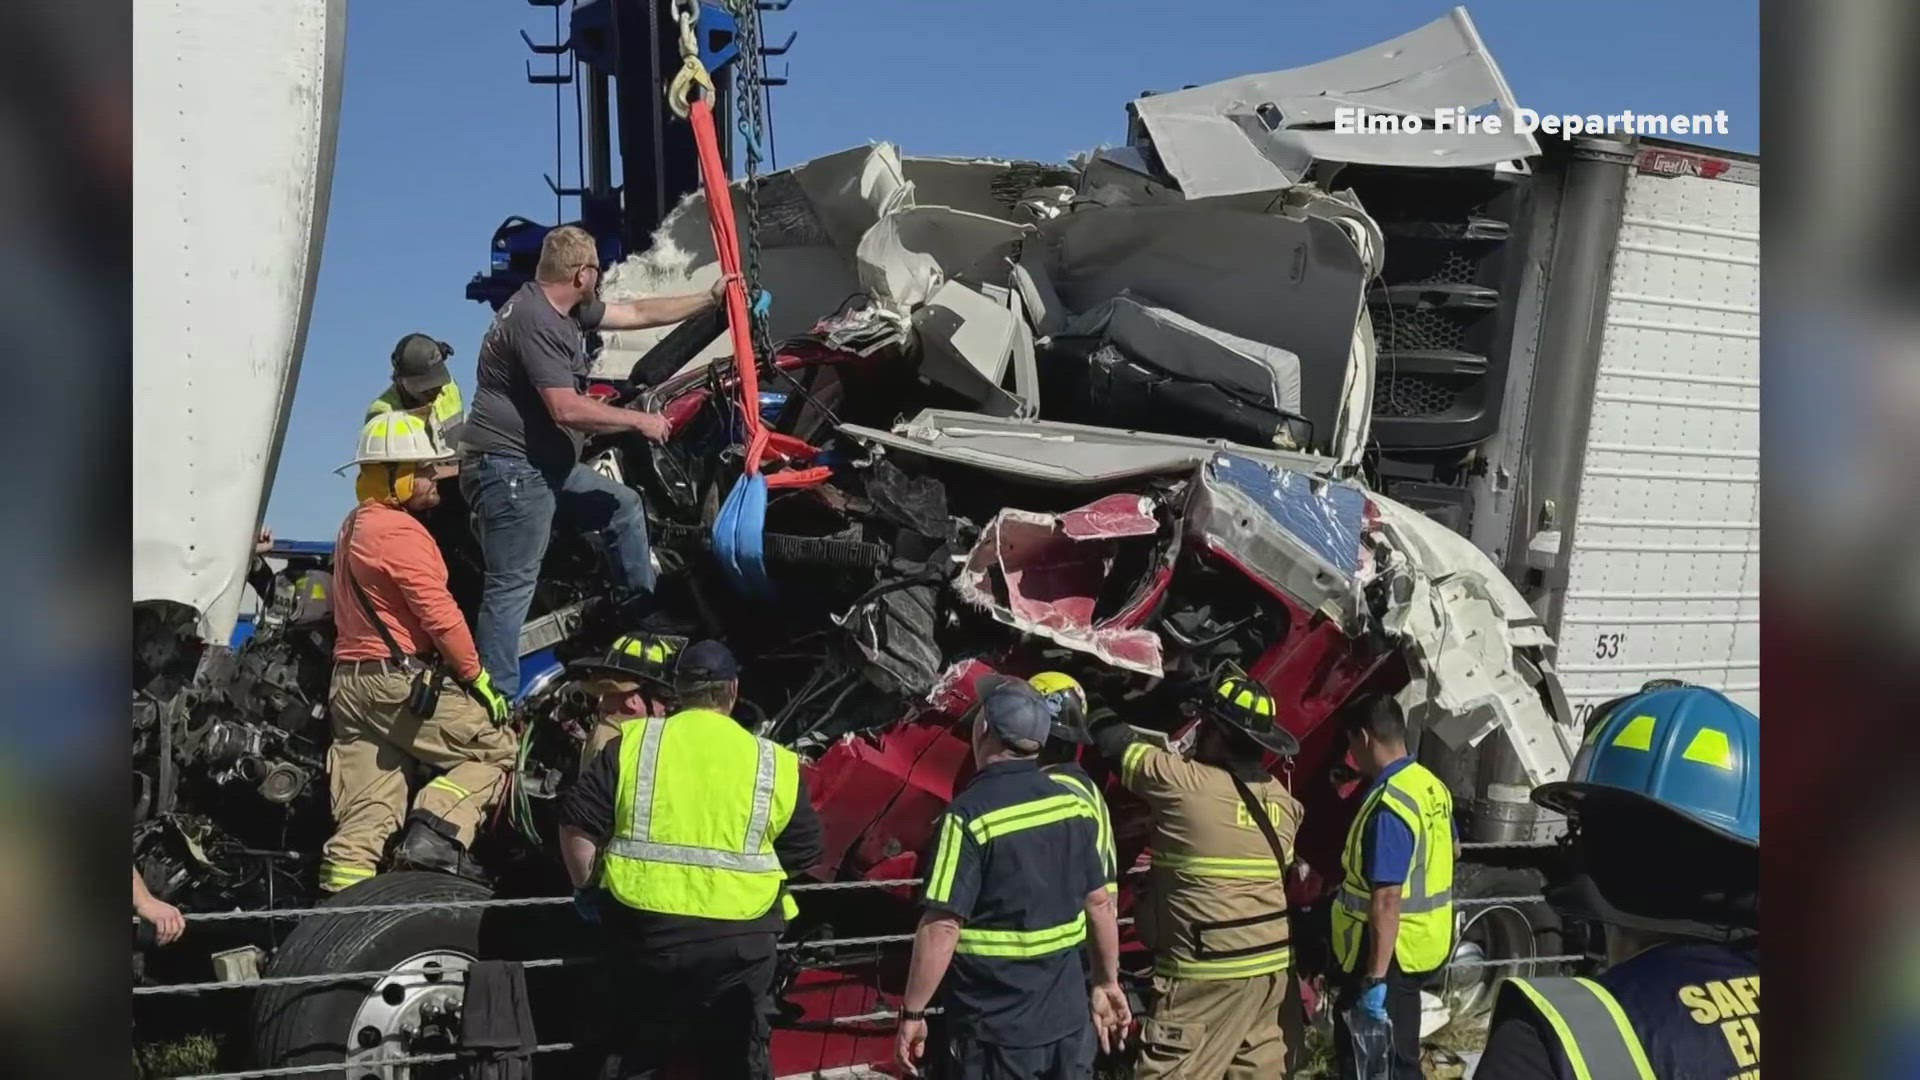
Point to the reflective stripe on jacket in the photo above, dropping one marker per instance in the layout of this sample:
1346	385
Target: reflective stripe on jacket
994	825
1096	803
1426	897
1590	1027
700	800
1215	906
447	405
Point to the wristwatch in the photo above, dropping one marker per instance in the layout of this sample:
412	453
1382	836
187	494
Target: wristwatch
913	1014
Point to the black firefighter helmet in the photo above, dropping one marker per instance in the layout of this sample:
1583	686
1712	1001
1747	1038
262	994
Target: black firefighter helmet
1243	706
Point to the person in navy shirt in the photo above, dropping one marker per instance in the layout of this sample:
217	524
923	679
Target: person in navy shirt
1014	886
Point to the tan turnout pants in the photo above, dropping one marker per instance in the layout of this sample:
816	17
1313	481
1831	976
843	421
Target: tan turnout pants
374	740
1200	1029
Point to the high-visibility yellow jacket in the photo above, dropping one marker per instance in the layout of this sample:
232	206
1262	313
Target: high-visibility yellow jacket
699	802
1418	798
447	405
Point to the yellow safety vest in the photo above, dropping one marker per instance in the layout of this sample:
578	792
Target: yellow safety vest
699	802
447	405
1426	898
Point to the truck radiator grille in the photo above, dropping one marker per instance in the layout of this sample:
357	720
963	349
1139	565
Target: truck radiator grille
1409	396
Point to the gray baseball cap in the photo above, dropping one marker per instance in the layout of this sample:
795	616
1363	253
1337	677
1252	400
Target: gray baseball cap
1014	710
420	363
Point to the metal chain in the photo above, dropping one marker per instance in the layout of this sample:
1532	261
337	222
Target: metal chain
1495	845
311	1070
747	101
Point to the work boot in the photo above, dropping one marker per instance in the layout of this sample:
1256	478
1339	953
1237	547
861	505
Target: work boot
429	843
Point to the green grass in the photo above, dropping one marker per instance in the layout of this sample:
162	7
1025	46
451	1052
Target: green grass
1315	1059
176	1057
1451	1040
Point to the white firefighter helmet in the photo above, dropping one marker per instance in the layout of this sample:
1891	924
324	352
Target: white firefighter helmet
400	438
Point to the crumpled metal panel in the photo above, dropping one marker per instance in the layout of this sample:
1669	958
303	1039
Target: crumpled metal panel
1297	533
1263	132
910	251
966	342
1053	452
1115	516
1052	570
1464	624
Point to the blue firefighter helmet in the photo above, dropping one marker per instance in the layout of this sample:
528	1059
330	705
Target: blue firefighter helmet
1688	749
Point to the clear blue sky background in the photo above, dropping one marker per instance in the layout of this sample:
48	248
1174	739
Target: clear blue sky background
441	138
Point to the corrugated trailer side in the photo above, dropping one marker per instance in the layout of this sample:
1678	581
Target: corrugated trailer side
1663	568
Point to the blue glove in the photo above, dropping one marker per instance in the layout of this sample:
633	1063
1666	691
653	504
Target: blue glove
586	906
1373	1001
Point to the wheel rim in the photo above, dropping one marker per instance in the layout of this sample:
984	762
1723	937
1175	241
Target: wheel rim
1492	932
413	1011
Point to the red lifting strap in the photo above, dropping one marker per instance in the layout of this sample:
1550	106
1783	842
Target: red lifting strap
726	244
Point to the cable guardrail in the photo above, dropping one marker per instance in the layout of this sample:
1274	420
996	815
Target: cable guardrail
878	1016
333	977
514	902
554	901
788	946
343	1067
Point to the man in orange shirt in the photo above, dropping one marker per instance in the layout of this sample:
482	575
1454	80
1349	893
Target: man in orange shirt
398	636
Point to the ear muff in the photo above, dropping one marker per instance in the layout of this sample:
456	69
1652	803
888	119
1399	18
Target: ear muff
384	482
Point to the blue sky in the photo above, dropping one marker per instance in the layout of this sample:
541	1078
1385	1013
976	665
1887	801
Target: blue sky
441	137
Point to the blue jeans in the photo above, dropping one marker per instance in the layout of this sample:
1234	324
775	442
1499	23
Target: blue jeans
513	509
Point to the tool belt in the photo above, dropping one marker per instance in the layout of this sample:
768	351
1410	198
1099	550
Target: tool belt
423	691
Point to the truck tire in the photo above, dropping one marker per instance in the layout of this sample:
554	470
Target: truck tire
364	1021
1497	932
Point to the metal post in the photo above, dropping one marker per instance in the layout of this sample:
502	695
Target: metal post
1569	357
1502	809
599	147
1566	370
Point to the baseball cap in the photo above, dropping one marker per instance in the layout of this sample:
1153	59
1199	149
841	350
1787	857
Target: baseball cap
705	661
1014	710
420	363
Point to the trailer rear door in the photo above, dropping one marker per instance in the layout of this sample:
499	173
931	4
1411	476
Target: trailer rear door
1665	566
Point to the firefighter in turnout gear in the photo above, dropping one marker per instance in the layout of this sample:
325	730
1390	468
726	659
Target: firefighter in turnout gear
683	832
1067	704
1664	806
1215	909
633	678
398	635
1393	911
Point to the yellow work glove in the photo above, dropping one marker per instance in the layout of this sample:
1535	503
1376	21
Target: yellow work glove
496	703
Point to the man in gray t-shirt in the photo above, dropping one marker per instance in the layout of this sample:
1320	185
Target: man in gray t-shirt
523	435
